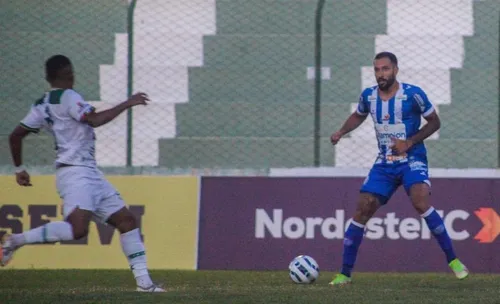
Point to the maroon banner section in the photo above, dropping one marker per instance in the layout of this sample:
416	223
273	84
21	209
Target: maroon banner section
262	223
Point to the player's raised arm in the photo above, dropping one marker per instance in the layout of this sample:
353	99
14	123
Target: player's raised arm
97	119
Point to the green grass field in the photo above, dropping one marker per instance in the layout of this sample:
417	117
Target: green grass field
103	286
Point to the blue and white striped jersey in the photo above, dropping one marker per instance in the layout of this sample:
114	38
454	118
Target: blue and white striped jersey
399	117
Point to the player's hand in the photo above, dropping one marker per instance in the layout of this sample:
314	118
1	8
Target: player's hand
23	179
400	146
336	137
138	99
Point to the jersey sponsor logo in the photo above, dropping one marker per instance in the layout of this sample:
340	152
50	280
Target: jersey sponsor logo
393	158
386	133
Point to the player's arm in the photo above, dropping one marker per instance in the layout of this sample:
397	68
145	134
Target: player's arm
352	122
30	124
433	124
97	119
16	144
16	148
425	108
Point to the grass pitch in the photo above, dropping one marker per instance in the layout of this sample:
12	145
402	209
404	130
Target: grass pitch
116	286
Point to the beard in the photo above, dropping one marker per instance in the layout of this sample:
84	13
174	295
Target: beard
385	84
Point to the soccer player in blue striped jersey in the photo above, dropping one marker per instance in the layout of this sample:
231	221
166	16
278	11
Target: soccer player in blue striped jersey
396	109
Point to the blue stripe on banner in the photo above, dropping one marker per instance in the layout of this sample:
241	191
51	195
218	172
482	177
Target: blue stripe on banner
392	113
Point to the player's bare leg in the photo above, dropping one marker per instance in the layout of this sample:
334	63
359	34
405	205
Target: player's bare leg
75	227
133	248
419	195
367	206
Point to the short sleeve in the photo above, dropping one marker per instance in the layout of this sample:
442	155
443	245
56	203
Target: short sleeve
363	108
34	120
77	106
423	103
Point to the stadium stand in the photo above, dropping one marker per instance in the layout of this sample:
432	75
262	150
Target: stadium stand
232	80
30	32
252	97
454	57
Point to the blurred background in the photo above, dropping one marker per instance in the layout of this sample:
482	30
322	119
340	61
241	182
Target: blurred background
248	85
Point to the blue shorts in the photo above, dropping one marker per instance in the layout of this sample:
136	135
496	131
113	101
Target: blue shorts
384	179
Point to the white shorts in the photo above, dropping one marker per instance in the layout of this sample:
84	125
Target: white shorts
87	189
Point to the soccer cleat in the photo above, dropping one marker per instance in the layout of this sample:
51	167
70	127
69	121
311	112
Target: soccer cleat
152	288
8	248
459	269
341	279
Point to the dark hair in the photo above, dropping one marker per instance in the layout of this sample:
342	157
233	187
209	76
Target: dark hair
54	64
391	56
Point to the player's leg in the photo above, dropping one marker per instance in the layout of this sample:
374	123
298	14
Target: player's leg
418	187
375	192
74	227
367	206
112	210
78	205
133	248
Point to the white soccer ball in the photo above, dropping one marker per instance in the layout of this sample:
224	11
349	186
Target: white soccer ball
304	270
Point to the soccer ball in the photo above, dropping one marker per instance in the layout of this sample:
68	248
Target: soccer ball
303	270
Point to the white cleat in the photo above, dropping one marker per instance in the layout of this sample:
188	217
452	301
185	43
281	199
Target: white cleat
152	288
7	250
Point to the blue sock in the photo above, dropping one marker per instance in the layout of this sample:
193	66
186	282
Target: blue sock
436	226
352	240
